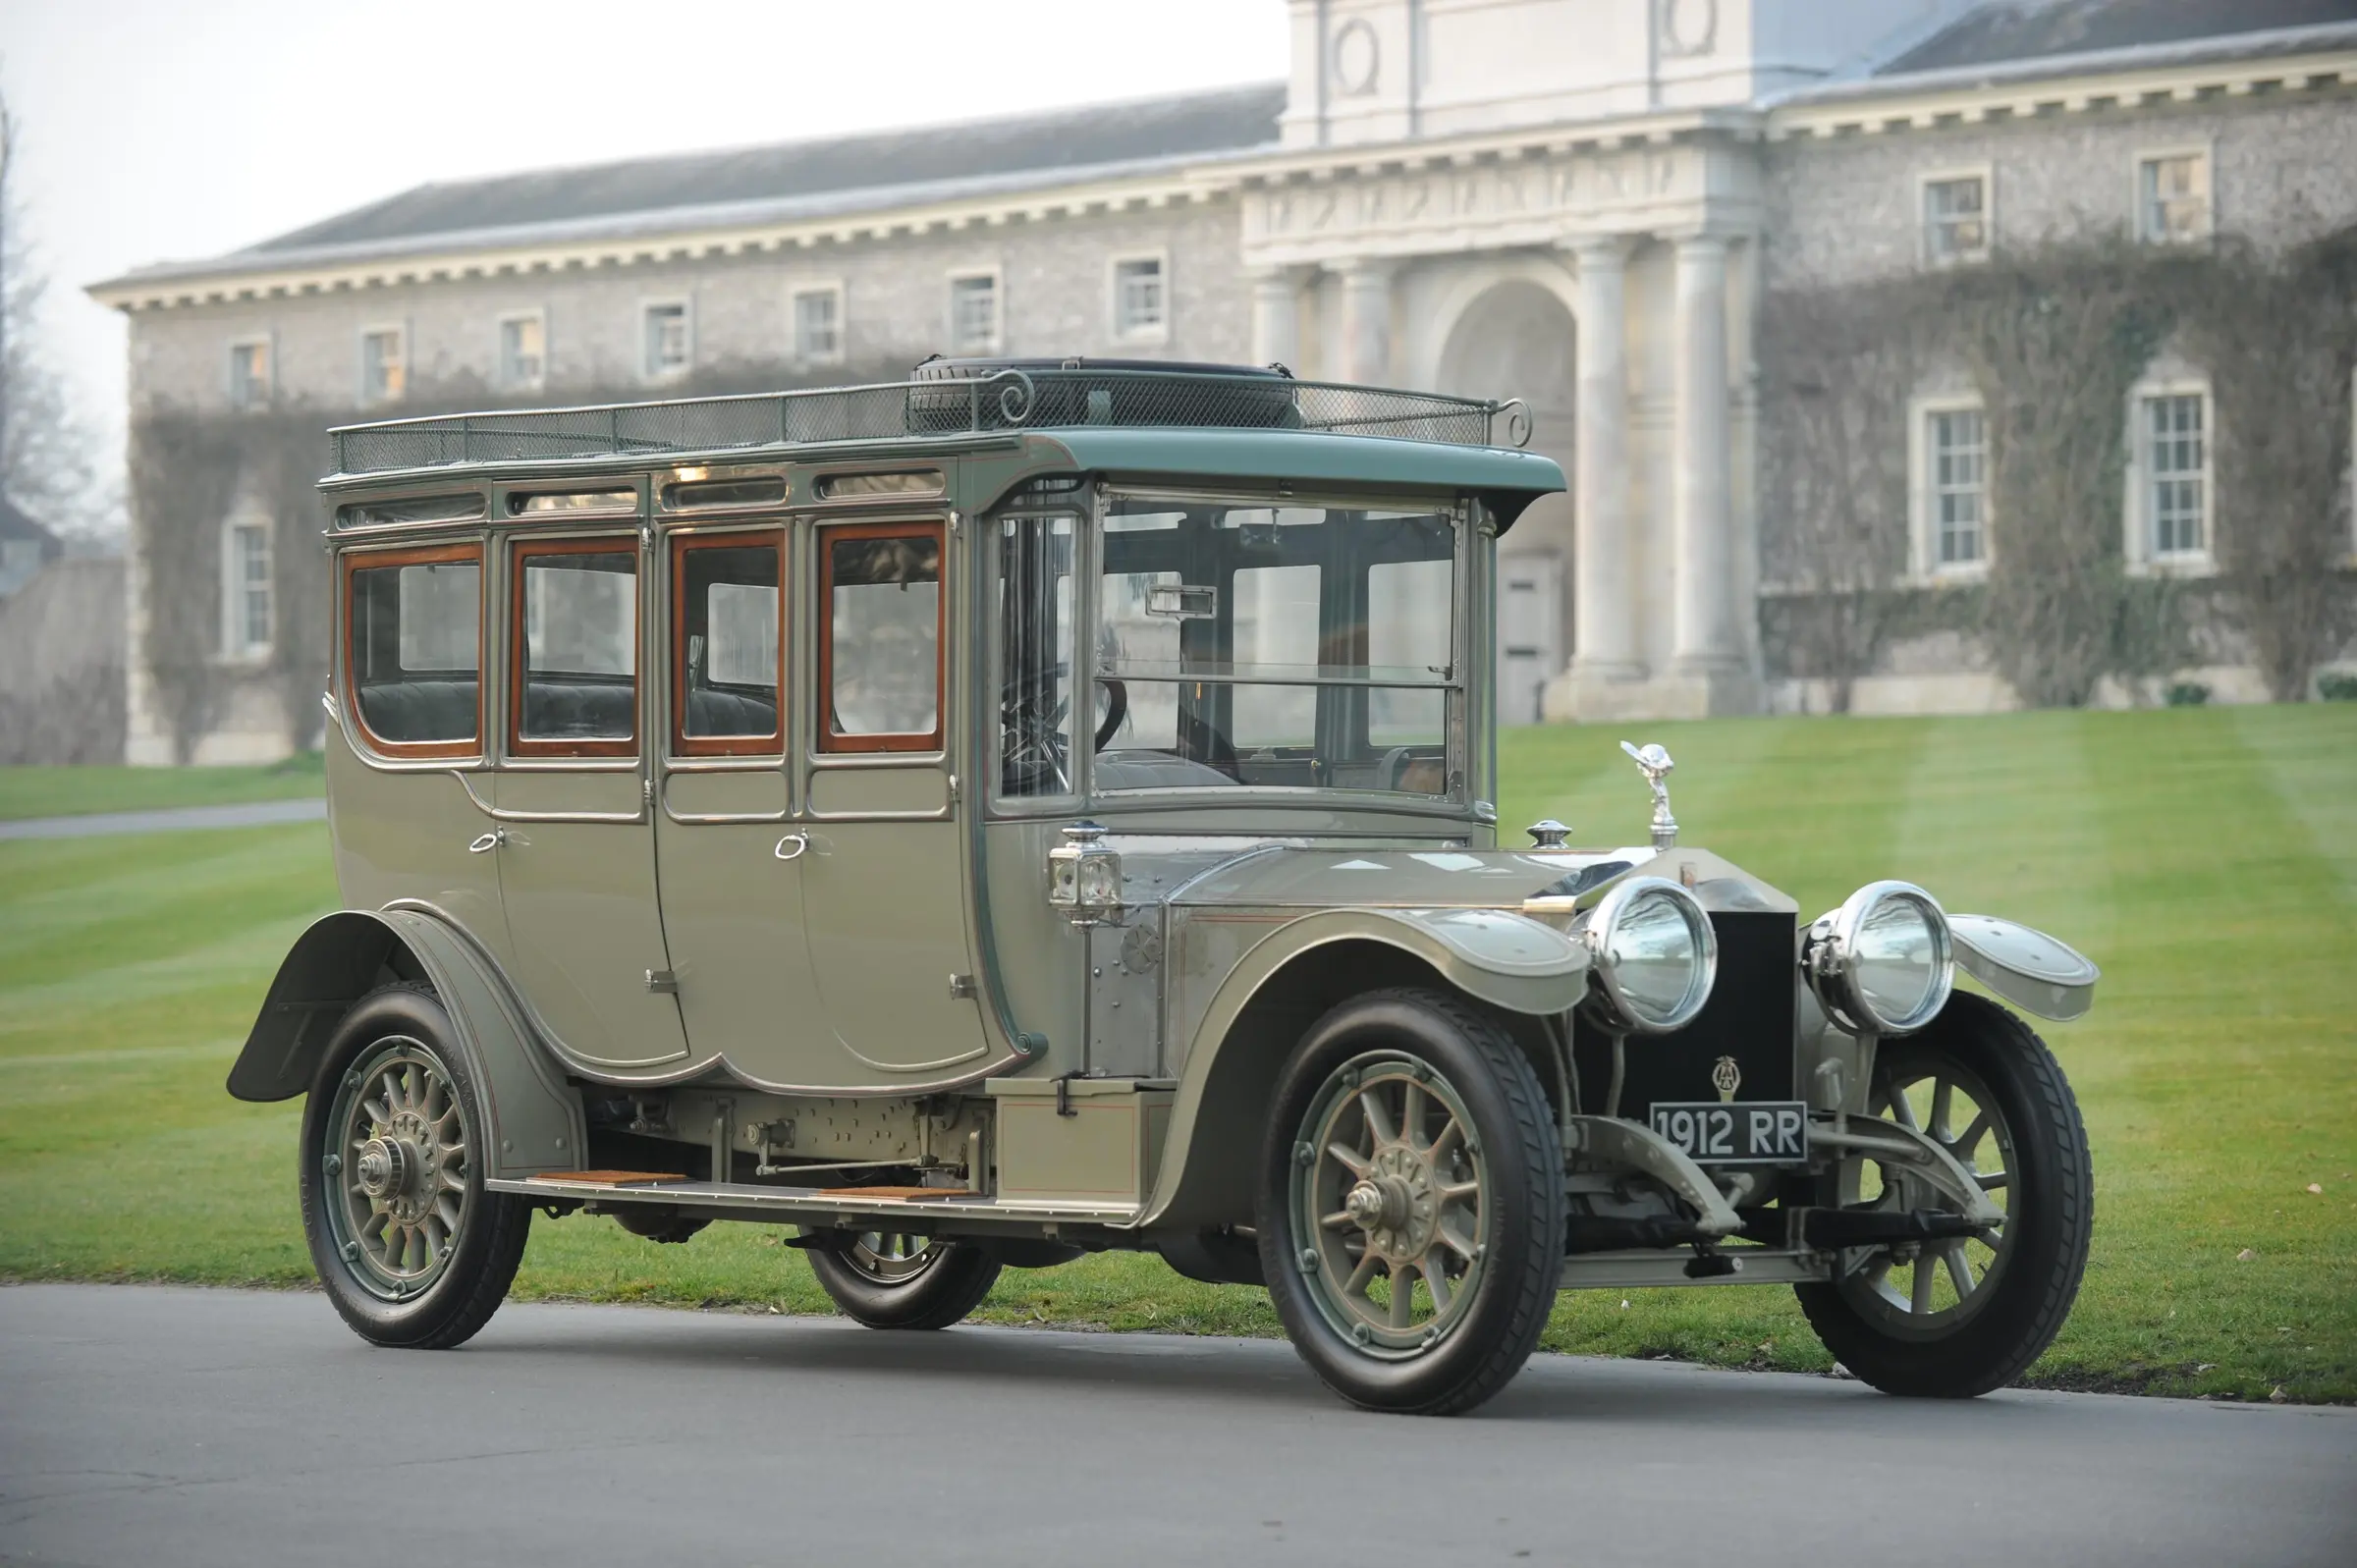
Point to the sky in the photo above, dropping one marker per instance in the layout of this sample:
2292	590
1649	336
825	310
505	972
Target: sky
153	132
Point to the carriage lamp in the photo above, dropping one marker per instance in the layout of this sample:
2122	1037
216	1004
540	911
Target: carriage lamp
1881	963
1652	956
1085	875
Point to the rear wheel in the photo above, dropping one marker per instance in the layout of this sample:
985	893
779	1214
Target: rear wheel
1956	1318
892	1280
1411	1203
412	1249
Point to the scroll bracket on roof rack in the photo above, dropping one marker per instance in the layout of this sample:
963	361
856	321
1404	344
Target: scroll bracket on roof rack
1517	421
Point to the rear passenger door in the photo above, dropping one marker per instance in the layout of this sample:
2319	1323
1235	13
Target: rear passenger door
577	838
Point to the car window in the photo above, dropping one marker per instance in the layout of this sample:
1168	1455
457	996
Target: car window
577	655
414	623
725	626
881	646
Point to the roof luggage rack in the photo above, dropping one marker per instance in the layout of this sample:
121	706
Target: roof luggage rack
942	397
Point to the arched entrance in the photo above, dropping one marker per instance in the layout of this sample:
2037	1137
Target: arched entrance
1516	339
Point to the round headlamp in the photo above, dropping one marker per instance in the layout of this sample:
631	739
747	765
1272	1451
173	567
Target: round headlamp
1882	961
1652	955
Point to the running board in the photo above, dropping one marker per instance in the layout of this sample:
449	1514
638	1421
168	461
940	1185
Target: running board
826	1208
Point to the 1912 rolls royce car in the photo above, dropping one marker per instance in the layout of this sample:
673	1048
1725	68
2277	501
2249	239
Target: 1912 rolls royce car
1039	808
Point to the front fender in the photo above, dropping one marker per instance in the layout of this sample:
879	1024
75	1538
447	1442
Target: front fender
535	1120
2030	969
1506	960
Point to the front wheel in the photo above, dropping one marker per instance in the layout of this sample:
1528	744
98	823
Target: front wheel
413	1250
889	1280
1411	1203
1956	1318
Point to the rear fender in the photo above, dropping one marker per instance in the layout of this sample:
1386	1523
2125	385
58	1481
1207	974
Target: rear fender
1513	964
535	1120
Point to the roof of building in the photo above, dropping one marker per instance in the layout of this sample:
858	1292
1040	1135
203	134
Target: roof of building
782	180
2006	31
16	524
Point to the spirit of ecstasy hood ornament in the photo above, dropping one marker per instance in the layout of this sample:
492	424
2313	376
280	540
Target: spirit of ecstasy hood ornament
1655	763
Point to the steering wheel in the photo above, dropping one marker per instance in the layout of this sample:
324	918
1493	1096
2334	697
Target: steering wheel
1035	746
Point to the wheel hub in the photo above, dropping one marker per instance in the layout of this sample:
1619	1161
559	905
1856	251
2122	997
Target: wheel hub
1395	1203
383	1167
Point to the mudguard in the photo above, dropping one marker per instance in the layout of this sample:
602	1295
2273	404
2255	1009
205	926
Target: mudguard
1506	960
535	1120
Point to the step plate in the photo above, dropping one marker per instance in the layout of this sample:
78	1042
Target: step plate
819	1204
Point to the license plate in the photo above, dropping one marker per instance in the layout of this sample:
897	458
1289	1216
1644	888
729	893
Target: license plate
1748	1132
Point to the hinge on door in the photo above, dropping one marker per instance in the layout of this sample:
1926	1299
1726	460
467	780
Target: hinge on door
952	787
663	982
961	987
647	791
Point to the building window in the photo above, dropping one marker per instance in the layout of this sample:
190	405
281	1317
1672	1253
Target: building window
523	352
249	373
1959	445
2172	198
668	346
974	313
1956	218
818	326
384	365
1140	299
245	578
2176	475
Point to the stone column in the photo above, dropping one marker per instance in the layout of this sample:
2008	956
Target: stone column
1603	588
1705	640
1277	318
1366	321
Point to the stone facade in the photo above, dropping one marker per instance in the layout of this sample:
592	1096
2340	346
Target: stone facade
1584	205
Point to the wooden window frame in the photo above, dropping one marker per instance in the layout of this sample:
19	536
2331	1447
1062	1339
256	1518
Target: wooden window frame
683	744
830	740
357	561
519	552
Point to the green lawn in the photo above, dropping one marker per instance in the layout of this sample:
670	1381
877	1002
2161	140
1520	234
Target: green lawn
2206	857
74	792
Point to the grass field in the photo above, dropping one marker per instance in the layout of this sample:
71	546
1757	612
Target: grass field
75	791
2206	857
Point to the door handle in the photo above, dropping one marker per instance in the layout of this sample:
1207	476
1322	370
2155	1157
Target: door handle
800	842
488	842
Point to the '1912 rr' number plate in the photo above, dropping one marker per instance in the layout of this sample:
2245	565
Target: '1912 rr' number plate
1749	1132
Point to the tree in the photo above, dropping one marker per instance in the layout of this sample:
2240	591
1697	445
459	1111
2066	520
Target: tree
46	451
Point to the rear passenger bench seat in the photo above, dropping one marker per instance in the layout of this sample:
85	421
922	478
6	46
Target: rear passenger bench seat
410	711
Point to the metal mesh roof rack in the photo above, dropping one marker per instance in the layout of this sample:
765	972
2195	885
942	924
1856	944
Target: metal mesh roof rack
944	397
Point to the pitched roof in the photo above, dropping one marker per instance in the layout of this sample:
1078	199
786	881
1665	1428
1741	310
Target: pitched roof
16	524
2004	31
782	180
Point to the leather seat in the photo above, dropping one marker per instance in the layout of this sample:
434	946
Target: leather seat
409	711
730	713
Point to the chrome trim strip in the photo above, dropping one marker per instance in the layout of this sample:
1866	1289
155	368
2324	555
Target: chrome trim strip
498	814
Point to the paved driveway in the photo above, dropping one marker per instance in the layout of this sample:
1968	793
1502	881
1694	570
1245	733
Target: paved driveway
252	814
187	1428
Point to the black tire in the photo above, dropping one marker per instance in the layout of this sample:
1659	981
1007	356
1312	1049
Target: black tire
938	1286
1472	1345
1989	1338
442	1303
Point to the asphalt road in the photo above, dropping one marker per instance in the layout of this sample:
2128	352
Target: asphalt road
143	1425
175	819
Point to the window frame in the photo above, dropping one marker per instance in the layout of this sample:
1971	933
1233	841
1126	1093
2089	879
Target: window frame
996	276
363	560
1986	173
1923	522
796	292
268	345
526	747
2141	547
236	646
683	744
2140	224
828	740
648	371
1160	331
399	332
514	383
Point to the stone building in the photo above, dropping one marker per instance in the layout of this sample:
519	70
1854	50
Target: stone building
1594	205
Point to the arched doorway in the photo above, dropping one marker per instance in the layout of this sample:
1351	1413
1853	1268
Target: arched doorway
1518	340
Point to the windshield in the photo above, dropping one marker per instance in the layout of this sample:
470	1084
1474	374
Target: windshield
1304	646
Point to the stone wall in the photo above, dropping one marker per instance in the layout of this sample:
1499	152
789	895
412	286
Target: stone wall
61	665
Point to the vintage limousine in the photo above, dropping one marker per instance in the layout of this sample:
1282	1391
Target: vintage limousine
1044	807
